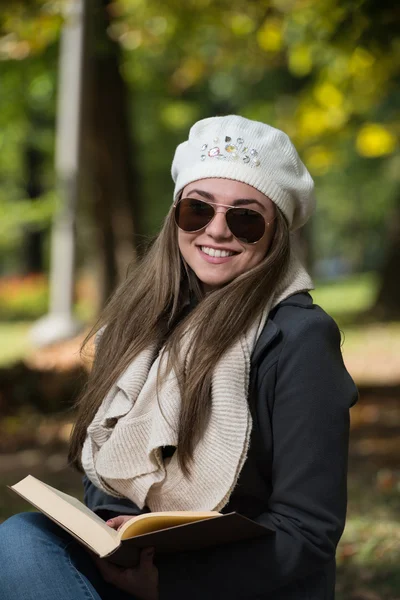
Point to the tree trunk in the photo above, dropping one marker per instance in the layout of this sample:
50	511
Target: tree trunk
387	304
32	245
111	174
303	238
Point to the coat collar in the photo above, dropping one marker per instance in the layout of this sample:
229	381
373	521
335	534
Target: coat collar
271	329
302	299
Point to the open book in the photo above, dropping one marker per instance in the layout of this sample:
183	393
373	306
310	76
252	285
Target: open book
165	531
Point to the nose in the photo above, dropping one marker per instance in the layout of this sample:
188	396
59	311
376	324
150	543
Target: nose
218	228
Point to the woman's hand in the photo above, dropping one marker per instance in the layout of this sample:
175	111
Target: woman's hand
140	581
117	522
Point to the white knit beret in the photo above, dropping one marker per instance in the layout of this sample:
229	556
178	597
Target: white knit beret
233	147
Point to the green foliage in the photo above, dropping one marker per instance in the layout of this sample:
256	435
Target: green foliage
28	27
15	343
324	71
17	215
23	297
348	297
28	57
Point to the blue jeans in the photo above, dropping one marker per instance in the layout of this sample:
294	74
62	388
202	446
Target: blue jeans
41	561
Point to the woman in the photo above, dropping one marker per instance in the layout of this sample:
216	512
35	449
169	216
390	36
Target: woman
217	385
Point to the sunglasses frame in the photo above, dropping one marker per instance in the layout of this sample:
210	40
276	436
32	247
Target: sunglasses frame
229	207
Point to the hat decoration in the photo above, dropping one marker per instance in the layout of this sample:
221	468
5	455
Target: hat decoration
231	150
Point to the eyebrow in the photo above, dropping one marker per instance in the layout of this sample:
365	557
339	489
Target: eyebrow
237	202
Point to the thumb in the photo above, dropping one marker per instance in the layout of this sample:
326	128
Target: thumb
115	523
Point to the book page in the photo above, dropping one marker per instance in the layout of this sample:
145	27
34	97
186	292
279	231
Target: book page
77	504
70	513
157	521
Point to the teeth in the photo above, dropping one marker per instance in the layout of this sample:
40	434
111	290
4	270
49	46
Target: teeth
216	253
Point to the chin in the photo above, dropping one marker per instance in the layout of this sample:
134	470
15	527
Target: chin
214	284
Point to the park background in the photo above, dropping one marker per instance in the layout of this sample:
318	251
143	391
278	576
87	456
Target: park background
325	71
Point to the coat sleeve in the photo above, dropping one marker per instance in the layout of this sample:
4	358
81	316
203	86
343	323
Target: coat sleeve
307	507
107	506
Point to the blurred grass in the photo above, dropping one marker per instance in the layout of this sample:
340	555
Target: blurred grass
368	554
14	338
345	299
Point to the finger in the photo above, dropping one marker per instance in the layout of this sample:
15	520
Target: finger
110	523
110	573
115	522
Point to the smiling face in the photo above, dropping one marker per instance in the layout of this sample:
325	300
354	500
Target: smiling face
214	254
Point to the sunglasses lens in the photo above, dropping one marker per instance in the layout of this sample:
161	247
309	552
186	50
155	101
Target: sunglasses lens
192	214
246	225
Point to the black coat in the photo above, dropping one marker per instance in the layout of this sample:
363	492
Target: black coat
294	478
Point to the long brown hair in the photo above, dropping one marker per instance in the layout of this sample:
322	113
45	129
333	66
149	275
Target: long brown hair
147	308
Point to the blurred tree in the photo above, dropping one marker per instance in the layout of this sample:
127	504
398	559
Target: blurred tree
33	242
388	300
111	174
27	111
325	71
111	180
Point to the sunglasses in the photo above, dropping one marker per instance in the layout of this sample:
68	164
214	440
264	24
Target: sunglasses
247	225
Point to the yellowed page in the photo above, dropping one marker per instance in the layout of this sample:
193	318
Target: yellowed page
70	513
157	521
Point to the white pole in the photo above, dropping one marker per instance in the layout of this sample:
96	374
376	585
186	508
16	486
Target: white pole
59	323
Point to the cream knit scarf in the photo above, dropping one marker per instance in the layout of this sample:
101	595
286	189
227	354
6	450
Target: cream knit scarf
122	454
